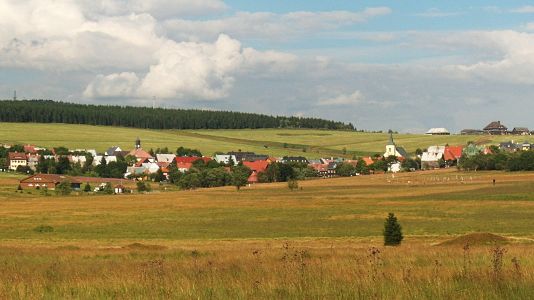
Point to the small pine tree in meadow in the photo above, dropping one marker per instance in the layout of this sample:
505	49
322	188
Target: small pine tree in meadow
392	231
87	188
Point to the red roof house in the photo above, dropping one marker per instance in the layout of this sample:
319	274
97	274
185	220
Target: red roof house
453	152
257	166
191	159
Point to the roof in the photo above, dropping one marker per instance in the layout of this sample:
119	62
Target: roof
438	131
112	150
520	129
258	166
140	153
16	156
182	165
46	178
30	149
191	159
495	125
368	160
165	157
402	152
320	167
453	152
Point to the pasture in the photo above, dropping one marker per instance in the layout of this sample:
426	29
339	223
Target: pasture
275	142
266	241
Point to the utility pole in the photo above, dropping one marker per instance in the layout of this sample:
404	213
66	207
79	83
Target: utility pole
15	96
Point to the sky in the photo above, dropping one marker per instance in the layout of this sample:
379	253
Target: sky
401	65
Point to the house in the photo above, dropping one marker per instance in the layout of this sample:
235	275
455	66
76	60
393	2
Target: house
432	157
393	150
225	159
496	128
438	131
33	161
140	154
368	160
48	181
510	146
135	171
247	156
191	159
258	166
253	178
165	158
471	132
113	151
526	146
98	159
295	159
17	159
30	149
324	170
78	159
151	167
184	166
452	154
520	131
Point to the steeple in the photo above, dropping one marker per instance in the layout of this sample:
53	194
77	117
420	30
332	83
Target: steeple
138	143
391	142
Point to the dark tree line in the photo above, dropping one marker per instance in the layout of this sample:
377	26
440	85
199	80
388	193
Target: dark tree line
47	111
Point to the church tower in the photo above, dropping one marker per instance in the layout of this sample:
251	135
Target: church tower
391	148
138	143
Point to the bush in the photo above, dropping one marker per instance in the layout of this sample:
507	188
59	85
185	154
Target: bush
43	229
392	231
64	188
293	184
143	187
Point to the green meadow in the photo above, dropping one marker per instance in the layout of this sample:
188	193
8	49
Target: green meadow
276	142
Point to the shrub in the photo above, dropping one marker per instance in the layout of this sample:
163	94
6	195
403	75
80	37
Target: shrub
392	231
64	188
43	229
293	184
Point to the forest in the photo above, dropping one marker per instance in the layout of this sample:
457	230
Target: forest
48	111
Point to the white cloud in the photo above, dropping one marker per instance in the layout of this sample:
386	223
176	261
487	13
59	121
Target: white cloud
343	99
528	9
114	85
190	70
270	25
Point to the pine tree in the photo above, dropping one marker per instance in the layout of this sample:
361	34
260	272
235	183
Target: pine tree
87	188
392	231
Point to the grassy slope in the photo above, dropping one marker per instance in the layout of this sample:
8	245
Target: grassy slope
317	142
347	207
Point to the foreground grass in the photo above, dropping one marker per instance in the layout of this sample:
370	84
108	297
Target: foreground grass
317	269
276	142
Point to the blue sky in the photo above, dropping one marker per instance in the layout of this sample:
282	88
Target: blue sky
406	65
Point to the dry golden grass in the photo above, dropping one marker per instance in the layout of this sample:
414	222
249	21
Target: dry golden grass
267	242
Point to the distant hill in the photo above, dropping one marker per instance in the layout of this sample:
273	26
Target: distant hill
48	111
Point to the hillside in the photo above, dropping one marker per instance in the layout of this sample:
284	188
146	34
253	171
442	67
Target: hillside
276	142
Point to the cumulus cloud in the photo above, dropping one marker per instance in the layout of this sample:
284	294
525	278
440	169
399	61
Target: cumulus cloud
343	99
114	85
191	70
271	25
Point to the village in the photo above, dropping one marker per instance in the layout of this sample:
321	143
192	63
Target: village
87	170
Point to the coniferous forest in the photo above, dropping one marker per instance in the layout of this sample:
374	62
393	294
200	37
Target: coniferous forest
48	111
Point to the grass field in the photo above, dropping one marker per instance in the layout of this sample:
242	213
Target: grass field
268	242
276	142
